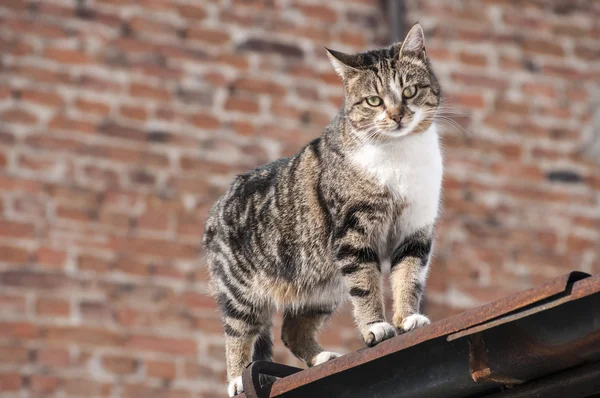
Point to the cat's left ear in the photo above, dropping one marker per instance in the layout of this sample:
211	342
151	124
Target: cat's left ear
342	63
414	43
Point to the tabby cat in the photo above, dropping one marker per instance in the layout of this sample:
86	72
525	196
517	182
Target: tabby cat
359	202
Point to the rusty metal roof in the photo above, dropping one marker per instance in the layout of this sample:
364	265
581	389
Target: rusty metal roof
542	342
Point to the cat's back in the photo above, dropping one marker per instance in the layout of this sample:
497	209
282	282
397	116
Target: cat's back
256	185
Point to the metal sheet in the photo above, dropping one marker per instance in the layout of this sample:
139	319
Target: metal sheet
546	329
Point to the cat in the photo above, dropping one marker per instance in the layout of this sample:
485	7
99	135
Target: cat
357	203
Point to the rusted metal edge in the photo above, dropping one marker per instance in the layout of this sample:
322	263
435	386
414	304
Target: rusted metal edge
571	285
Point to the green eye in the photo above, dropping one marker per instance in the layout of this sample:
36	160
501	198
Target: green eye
374	101
409	91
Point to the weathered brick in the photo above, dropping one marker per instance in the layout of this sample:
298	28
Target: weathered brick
53	307
13	355
175	346
13	304
119	365
82	335
241	104
95	107
65	56
320	12
53	357
85	387
147	91
10	382
16	115
160	369
46	98
19	330
43	384
210	36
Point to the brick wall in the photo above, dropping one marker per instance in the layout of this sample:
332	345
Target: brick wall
121	122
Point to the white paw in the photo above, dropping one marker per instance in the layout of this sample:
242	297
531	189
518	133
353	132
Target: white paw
235	387
414	321
378	332
325	356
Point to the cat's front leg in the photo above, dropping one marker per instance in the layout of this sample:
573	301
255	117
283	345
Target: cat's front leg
409	267
360	266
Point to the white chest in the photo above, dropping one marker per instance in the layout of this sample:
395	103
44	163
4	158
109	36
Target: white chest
411	168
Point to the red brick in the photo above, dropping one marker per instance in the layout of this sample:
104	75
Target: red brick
15	255
205	121
53	357
13	355
541	89
158	247
11	303
472	59
89	106
20	330
42	97
475	101
146	91
480	81
133	112
82	335
93	263
51	257
198	300
16	115
63	122
543	47
135	391
259	86
83	388
10	382
160	369
521	108
43	384
65	56
167	345
240	104
577	244
119	365
53	307
191	11
207	35
320	12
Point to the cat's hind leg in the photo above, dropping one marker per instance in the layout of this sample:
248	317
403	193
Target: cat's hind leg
247	336
300	326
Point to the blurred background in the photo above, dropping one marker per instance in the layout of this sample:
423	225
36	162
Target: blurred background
122	121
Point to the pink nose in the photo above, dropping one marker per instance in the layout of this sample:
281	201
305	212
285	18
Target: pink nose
397	117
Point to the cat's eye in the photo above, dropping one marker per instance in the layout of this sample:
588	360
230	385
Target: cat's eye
374	100
409	91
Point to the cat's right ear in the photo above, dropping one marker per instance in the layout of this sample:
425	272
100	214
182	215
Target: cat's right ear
341	63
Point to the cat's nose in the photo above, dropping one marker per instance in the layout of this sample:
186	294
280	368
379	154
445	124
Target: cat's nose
397	117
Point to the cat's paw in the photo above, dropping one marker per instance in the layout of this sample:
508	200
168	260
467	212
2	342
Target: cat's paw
414	321
325	356
235	387
378	332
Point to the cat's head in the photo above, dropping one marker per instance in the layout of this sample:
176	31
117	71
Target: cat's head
389	92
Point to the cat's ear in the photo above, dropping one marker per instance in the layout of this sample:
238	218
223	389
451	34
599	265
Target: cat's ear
341	63
414	43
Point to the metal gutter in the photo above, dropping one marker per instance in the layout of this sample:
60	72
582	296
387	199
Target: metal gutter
483	351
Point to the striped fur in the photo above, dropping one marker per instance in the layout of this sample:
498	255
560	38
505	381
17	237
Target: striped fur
304	232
